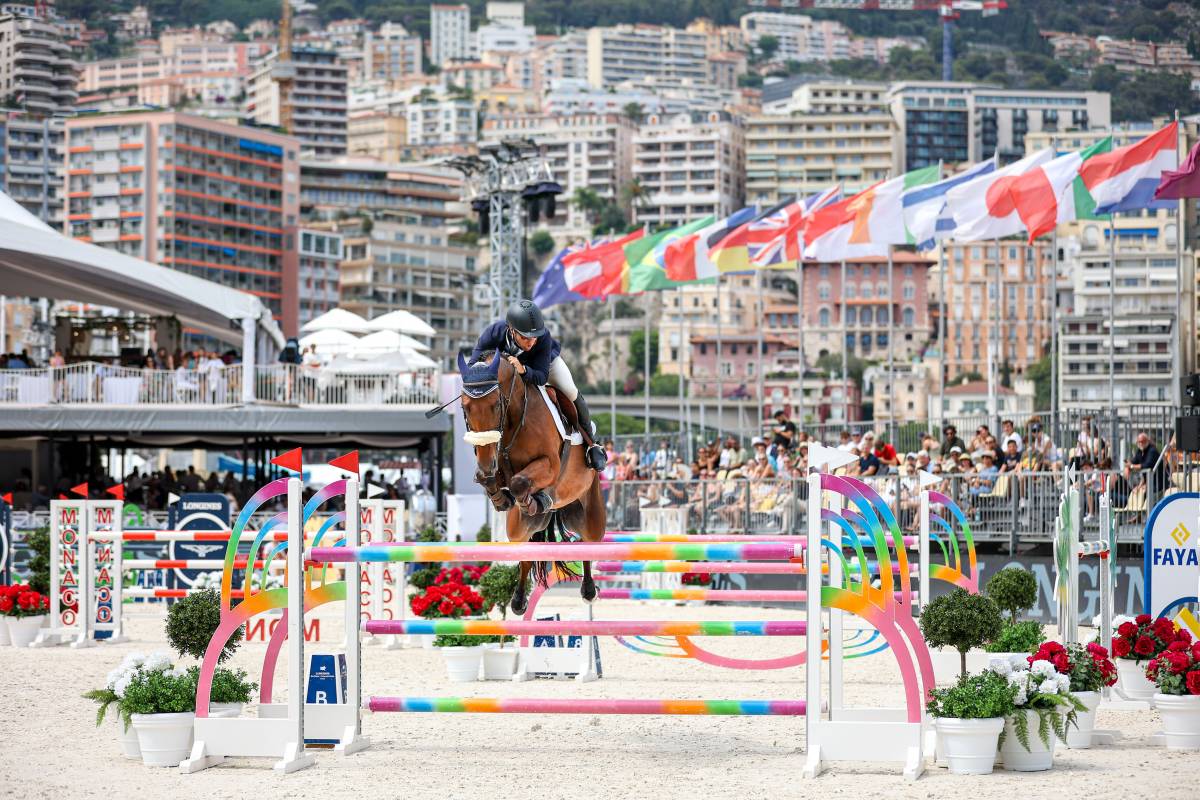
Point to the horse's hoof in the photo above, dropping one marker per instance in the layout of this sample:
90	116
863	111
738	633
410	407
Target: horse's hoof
518	604
588	591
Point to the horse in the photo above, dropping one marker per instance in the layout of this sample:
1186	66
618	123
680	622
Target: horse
526	468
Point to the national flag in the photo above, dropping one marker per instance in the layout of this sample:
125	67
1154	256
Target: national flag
688	258
598	272
647	256
1125	179
983	208
1183	182
1047	195
732	253
1085	204
551	288
784	251
925	214
866	224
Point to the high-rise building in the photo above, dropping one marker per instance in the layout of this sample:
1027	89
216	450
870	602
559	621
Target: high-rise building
378	135
391	54
828	132
448	121
449	33
633	52
32	162
317	278
36	68
318	99
584	151
211	199
688	166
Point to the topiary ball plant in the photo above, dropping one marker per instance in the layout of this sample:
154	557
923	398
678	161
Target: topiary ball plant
1014	590
961	620
192	621
497	586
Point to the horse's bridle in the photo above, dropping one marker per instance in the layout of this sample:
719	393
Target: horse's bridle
503	451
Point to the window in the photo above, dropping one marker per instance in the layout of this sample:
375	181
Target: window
881	316
823	318
823	291
851	316
910	317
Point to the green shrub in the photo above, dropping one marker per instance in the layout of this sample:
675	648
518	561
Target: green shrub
428	534
229	686
1014	590
38	541
463	640
160	692
1024	637
497	586
484	534
961	620
424	577
192	621
984	696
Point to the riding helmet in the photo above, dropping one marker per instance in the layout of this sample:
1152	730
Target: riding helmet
526	319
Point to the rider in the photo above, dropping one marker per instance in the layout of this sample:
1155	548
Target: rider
526	344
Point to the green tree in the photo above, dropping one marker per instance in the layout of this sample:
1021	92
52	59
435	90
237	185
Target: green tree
767	47
541	243
588	201
962	621
831	365
1013	589
635	112
610	218
664	385
1040	373
635	195
637	351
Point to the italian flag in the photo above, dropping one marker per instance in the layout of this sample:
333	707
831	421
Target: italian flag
1054	192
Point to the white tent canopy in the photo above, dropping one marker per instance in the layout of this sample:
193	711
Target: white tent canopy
402	321
386	342
330	341
338	319
36	261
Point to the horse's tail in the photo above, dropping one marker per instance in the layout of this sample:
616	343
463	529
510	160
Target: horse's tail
555	531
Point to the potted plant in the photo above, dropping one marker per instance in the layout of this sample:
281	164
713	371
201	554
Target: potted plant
497	585
463	654
1135	644
959	621
969	717
1015	591
191	623
24	611
160	701
1090	670
1176	675
1044	704
112	694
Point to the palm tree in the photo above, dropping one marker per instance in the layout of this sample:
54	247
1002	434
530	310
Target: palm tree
635	112
635	196
588	201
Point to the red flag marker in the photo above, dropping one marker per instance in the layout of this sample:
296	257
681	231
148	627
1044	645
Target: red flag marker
290	460
7	498
62	496
81	490
117	491
348	462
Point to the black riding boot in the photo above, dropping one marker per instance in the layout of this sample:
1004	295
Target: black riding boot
594	456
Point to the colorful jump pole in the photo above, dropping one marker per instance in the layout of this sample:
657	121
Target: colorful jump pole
508	705
575	551
487	627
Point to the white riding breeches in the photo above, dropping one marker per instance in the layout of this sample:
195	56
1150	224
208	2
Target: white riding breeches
560	378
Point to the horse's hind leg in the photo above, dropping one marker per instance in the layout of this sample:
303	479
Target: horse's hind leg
520	601
595	519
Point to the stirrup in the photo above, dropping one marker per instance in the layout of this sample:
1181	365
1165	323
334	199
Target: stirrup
595	457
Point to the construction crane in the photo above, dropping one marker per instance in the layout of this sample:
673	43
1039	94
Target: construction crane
284	71
948	10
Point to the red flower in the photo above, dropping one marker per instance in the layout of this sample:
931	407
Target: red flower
1127	629
1177	647
446	607
1182	635
1164	629
1144	646
1142	619
1121	647
1193	681
1196	651
1151	669
1097	651
6	604
1179	662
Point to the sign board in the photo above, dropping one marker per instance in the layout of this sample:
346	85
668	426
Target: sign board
85	551
196	512
383	585
1172	554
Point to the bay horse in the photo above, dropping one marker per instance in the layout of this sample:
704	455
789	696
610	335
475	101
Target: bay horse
526	468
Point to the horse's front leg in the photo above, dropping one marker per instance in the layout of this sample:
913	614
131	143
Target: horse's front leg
587	589
520	601
537	476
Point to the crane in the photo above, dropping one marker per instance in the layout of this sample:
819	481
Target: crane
284	71
948	10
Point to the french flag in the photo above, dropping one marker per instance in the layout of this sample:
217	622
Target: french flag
1125	178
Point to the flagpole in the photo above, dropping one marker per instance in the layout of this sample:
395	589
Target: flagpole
1112	316
800	339
1177	361
1054	363
612	366
646	369
890	392
945	346
679	367
845	355
720	383
758	360
996	354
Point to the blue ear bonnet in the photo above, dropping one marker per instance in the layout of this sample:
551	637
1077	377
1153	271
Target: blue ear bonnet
481	377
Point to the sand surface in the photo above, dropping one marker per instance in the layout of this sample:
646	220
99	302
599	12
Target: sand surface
52	749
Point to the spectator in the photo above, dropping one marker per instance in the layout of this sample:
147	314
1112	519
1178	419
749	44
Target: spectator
1038	440
985	479
979	440
950	462
886	453
929	445
760	467
845	445
784	432
57	361
662	458
1088	444
1012	457
966	468
868	463
1010	434
950	439
1143	461
732	456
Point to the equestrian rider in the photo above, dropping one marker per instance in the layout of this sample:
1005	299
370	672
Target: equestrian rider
526	344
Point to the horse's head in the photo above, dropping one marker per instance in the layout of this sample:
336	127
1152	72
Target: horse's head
484	407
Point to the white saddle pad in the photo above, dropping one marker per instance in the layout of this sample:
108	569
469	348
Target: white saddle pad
575	438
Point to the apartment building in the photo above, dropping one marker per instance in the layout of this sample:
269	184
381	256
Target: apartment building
390	54
633	52
333	188
449	33
37	71
320	259
558	58
689	165
31	166
318	99
584	151
447	121
186	69
378	135
211	199
826	133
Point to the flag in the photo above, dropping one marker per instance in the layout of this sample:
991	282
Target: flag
687	259
1183	182
599	271
1085	204
1125	179
732	253
784	251
551	288
925	214
866	224
647	257
1047	195
983	208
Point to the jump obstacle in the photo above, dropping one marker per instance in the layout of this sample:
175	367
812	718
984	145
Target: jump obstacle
834	732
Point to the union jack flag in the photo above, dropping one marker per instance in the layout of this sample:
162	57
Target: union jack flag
783	225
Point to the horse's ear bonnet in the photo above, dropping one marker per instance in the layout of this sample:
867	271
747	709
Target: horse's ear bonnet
480	378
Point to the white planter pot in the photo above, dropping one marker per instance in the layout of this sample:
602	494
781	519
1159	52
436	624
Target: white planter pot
1134	683
1081	738
1181	720
500	663
127	740
23	630
4	638
423	640
225	709
164	739
462	663
1037	758
968	745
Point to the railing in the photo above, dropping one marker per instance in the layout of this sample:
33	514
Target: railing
92	383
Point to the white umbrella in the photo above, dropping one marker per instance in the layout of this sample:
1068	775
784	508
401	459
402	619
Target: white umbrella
330	341
402	321
386	342
393	362
339	319
417	360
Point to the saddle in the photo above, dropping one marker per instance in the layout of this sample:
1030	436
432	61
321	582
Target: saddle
566	410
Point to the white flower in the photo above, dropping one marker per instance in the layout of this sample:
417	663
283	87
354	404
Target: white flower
1019	662
122	684
1119	620
1021	698
157	662
1064	683
1042	669
132	660
1048	686
1000	666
